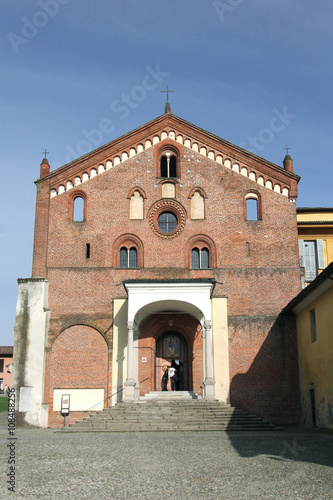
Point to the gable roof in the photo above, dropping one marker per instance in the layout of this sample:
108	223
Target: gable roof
173	128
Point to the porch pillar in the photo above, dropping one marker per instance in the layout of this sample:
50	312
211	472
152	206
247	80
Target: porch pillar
209	382
136	365
129	392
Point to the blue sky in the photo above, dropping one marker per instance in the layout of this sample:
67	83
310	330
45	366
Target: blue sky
234	64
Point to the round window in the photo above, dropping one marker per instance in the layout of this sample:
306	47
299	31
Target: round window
167	222
167	218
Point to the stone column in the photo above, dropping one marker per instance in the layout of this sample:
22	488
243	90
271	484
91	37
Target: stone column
209	382
129	392
136	365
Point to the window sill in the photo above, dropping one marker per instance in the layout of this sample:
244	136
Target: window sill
201	268
128	268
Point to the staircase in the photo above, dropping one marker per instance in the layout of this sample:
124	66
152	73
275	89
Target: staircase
170	411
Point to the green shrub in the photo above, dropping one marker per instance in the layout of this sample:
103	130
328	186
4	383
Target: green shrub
3	403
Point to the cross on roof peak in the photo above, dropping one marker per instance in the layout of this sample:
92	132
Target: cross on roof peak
167	91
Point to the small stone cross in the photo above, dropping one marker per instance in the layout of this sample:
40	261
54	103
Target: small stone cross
167	91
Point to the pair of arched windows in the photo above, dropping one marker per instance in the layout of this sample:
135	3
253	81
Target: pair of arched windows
128	252
128	258
168	165
200	258
201	252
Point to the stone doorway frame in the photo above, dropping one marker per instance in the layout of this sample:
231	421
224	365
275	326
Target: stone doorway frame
148	297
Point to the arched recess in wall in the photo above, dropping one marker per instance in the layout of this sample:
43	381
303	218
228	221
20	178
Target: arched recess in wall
200	252
168	160
136	197
78	206
134	250
79	360
252	206
197	197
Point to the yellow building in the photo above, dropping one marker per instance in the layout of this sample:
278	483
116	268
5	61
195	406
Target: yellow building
315	240
313	308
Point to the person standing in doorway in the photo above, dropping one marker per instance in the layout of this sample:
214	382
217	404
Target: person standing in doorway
165	378
172	373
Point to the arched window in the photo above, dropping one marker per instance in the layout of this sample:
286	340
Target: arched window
128	252
78	209
200	252
128	258
200	258
168	165
252	207
195	258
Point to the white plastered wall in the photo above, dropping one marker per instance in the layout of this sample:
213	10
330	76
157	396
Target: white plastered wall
31	326
119	352
220	348
80	399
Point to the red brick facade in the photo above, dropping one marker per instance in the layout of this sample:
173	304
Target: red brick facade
254	263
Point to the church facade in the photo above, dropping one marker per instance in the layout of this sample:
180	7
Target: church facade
165	245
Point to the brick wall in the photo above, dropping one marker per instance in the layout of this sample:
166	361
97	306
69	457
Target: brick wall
78	360
256	261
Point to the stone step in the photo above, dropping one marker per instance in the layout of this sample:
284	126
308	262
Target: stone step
171	413
156	415
166	395
171	425
162	414
173	428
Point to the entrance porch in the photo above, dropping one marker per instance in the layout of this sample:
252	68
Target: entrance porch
161	323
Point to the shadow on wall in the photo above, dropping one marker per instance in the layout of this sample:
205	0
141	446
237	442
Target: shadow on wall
270	387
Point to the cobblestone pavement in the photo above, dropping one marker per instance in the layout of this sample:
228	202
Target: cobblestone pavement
289	465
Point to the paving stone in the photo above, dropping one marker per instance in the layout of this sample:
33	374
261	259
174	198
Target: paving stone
290	464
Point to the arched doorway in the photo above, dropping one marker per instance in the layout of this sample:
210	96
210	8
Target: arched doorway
153	354
172	346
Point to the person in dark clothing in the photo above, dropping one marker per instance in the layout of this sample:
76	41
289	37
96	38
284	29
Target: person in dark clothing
173	372
165	378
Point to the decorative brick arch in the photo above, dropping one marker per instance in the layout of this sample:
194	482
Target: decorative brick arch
77	193
140	190
128	241
78	360
197	198
199	190
162	148
167	205
253	194
201	241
